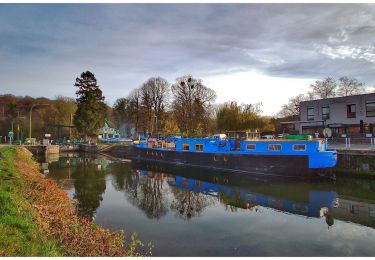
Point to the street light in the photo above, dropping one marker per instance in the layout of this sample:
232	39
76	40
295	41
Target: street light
31	111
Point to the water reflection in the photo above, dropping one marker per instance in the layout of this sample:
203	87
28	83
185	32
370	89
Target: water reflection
185	211
189	203
89	186
189	200
85	175
156	189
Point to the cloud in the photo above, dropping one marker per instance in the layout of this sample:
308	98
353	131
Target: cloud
43	47
352	52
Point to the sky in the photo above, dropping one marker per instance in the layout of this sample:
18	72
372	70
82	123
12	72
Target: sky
247	53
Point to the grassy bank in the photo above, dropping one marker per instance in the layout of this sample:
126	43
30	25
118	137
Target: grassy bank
38	219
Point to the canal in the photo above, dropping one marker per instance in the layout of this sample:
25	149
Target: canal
190	212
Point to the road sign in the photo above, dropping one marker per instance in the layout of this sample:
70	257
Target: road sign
10	134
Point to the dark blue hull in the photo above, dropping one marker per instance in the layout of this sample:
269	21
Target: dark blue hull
273	165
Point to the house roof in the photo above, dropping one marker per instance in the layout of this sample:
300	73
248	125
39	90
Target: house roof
332	98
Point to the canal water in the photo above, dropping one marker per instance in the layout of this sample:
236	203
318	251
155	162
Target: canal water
190	212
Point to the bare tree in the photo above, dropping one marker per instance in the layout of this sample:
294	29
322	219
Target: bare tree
325	88
293	106
192	103
155	96
135	108
350	86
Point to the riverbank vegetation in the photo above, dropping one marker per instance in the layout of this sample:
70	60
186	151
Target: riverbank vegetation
38	219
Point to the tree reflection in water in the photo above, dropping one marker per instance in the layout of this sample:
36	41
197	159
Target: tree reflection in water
189	204
145	191
149	192
89	186
233	204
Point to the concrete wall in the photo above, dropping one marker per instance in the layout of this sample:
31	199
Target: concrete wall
356	163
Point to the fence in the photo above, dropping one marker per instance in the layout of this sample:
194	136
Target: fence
351	142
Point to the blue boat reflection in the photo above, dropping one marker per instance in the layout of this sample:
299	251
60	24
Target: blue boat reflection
318	204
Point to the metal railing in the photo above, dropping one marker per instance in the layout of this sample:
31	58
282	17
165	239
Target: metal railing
351	142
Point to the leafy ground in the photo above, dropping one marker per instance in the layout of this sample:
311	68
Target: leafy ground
38	219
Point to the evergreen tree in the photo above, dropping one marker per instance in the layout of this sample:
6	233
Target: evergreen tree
91	109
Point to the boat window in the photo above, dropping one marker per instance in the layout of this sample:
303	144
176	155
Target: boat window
299	147
199	147
274	147
250	146
185	147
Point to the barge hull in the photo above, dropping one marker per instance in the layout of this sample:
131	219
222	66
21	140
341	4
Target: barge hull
273	165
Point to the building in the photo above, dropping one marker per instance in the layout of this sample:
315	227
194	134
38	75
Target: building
350	115
108	131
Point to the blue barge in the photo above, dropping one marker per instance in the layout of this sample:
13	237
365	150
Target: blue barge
244	152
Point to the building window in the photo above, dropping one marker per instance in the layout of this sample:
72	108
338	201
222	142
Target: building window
350	111
199	147
274	147
250	146
310	113
370	108
185	147
299	147
325	112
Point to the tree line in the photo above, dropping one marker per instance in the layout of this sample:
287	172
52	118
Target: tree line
186	107
15	114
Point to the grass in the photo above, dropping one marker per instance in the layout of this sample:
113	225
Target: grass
20	236
38	219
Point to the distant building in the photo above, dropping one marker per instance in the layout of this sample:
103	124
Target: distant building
351	115
108	131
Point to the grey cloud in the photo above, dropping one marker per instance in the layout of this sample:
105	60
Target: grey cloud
47	46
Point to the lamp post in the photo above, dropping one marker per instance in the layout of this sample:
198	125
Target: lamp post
30	113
